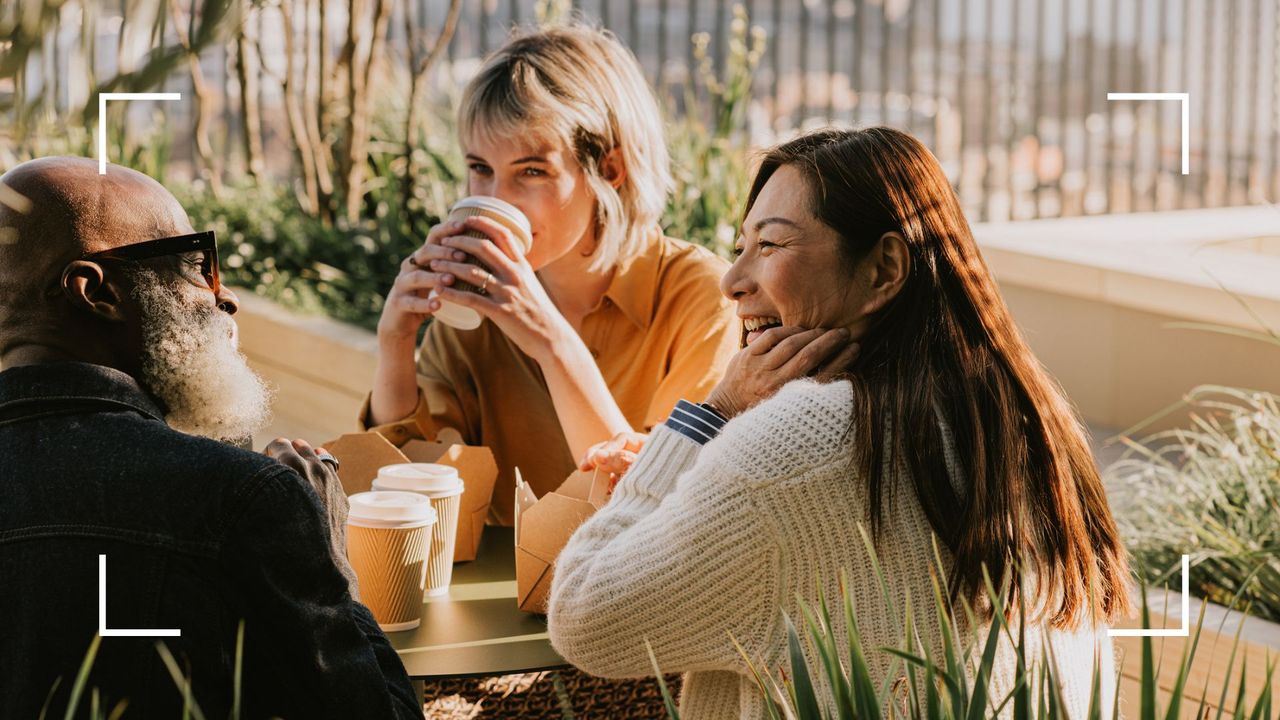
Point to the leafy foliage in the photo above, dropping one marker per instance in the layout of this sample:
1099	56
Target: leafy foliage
1211	491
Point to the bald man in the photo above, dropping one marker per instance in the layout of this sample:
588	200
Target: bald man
121	385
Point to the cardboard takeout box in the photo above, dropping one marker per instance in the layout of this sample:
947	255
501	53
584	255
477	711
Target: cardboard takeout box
360	455
544	526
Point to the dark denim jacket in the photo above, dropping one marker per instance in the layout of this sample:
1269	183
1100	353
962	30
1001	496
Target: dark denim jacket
198	535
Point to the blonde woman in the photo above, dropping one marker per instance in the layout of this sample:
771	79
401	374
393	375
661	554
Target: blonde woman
884	388
605	324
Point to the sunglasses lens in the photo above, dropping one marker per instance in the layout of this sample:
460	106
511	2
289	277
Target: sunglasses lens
209	267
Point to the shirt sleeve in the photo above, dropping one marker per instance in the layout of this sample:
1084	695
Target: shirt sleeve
708	336
302	627
440	404
679	559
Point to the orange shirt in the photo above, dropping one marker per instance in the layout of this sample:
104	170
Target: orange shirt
662	332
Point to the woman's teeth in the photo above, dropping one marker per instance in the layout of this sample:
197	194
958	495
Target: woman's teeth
762	323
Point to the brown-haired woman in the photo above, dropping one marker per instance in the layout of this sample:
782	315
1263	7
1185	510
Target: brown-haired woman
883	384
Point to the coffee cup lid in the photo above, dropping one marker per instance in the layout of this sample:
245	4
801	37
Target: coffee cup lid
497	205
432	479
397	509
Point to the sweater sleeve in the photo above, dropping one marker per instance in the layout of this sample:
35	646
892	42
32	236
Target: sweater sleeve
680	557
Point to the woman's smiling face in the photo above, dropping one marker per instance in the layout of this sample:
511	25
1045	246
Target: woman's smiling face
790	269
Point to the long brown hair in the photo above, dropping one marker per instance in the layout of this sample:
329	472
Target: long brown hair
1032	503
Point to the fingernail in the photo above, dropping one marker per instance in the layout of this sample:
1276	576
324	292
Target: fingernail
447	278
459	255
435	304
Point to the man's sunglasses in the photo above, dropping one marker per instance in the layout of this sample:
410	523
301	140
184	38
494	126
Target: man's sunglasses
201	246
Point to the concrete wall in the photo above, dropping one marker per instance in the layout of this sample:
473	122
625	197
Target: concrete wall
321	369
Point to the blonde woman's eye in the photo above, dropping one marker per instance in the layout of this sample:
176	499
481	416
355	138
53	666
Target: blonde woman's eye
534	172
479	169
737	252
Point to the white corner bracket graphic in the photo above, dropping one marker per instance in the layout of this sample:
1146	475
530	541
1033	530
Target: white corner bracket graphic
102	118
105	631
1185	630
1185	98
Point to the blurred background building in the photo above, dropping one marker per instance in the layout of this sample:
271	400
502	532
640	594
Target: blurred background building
1010	94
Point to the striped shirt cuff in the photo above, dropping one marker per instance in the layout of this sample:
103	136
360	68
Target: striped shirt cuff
696	421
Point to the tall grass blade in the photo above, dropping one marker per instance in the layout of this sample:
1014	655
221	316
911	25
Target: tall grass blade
667	700
1147	704
190	707
1241	693
1188	655
804	698
239	668
824	639
82	677
864	692
771	705
48	698
1262	708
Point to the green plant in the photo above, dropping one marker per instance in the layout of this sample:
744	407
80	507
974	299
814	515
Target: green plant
958	684
1210	490
191	710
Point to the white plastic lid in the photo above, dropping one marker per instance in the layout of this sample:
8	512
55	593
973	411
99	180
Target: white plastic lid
390	509
431	479
501	207
497	205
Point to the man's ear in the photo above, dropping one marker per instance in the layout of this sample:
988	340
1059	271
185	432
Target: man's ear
89	289
613	168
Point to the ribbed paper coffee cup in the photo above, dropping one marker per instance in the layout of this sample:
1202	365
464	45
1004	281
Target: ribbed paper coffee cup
502	212
389	537
442	486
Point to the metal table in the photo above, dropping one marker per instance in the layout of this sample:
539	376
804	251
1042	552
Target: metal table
477	629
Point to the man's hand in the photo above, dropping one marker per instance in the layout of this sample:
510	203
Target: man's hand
299	455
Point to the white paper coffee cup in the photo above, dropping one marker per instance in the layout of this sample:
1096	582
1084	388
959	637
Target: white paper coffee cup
389	538
442	486
502	212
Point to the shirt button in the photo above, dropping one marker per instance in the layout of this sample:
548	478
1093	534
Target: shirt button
594	353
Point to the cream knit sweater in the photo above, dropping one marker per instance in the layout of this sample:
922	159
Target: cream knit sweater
701	543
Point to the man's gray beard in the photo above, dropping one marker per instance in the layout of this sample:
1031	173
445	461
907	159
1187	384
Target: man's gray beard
191	363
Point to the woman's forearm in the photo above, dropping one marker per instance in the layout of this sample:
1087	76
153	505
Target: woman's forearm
395	382
587	411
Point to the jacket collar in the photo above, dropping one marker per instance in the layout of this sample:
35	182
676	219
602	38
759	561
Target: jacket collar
48	387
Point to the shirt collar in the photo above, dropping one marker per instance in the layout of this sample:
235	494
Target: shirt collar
635	282
31	389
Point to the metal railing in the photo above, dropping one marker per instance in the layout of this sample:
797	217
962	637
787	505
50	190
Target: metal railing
1011	95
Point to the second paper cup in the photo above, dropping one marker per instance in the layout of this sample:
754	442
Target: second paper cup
442	486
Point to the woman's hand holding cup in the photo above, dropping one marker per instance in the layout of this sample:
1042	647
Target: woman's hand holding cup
777	357
407	305
513	297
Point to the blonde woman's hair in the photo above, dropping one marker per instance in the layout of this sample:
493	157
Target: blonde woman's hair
576	86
